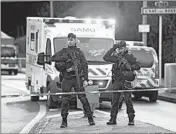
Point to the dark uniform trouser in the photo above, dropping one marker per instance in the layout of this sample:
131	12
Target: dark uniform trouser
116	96
66	86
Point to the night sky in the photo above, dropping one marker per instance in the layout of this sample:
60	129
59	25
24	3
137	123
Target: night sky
14	13
128	17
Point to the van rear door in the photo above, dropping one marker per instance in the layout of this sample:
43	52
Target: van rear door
33	45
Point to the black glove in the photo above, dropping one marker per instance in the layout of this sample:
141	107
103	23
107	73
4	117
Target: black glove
115	46
60	66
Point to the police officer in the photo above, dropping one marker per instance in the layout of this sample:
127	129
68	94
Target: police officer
64	64
124	65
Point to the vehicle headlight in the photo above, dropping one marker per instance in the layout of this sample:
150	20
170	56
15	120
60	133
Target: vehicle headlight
100	83
90	82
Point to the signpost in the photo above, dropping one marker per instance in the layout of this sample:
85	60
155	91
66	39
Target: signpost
51	9
143	28
161	9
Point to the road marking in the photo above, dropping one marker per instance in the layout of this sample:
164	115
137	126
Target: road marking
76	112
103	112
15	87
58	115
34	121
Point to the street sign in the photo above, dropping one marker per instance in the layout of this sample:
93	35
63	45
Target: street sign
144	28
168	10
161	4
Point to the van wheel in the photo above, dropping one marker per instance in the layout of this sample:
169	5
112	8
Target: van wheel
137	96
34	98
10	72
15	72
153	96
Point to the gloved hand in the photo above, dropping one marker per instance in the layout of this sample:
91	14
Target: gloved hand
115	46
85	83
70	69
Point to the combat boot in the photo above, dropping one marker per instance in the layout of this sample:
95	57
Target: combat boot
85	115
131	120
64	122
90	120
112	121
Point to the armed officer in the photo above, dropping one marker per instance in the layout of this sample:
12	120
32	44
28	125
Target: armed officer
64	63
122	70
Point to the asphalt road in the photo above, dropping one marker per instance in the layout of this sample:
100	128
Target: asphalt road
19	111
16	112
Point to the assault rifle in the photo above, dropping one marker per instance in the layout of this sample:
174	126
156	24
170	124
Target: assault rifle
123	61
75	62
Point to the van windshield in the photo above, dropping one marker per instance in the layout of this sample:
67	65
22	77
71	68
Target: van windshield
7	52
93	48
145	57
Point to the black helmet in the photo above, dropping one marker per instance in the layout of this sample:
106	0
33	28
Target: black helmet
122	44
71	35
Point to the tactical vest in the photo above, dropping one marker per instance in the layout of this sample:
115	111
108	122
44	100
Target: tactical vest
70	63
121	74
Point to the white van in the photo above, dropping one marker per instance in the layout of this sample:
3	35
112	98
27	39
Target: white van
46	36
9	59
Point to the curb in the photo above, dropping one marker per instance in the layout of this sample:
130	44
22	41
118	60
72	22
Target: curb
167	98
41	114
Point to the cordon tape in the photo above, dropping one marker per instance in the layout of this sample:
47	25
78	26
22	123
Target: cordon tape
92	92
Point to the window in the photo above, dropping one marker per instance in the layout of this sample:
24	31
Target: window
93	48
32	41
144	57
36	46
48	47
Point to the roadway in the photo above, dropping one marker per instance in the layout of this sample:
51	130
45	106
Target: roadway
19	114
